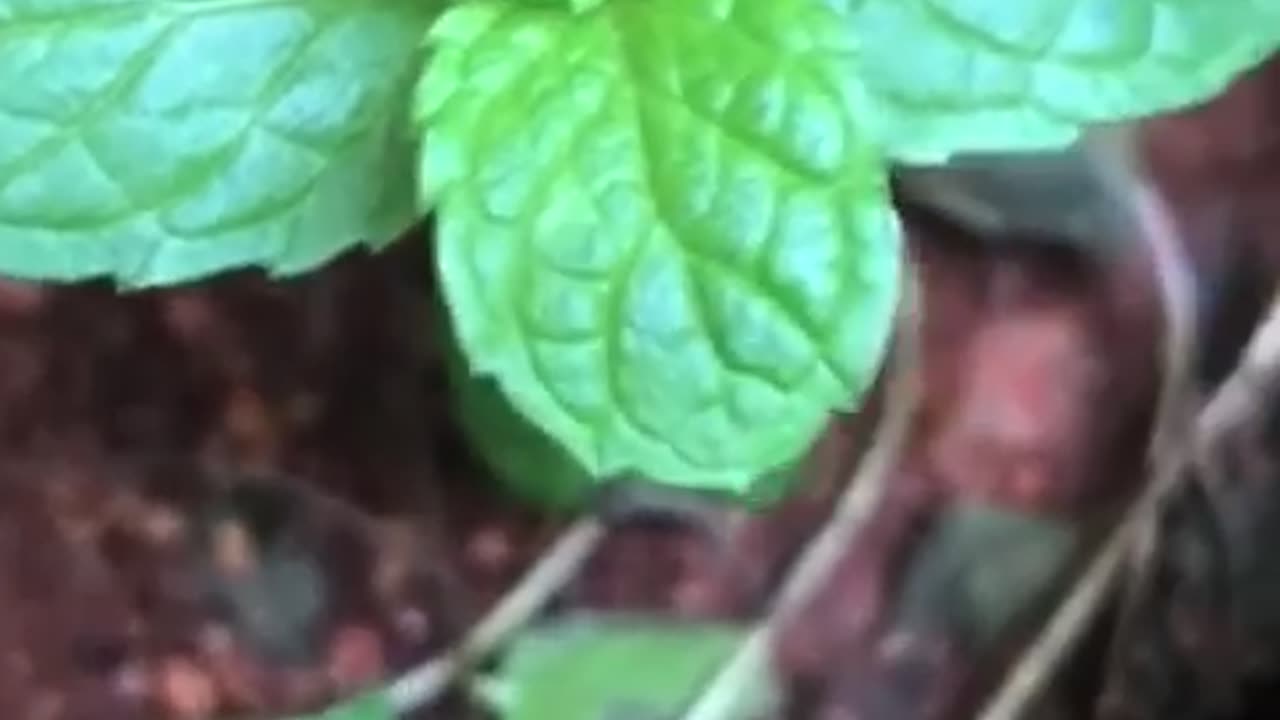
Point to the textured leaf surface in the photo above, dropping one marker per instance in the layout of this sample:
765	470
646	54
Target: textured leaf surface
616	668
957	75
536	469
658	228
525	460
160	140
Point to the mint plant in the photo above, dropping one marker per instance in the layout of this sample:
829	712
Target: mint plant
157	141
375	705
587	667
664	229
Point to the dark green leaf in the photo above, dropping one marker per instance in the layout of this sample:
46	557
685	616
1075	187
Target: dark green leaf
527	462
980	567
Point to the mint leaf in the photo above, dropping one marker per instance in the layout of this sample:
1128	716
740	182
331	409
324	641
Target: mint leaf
616	668
659	229
983	75
534	468
158	141
524	460
368	706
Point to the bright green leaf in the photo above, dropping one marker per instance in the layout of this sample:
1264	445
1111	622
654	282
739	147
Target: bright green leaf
527	462
157	141
659	229
539	471
958	75
369	706
616	668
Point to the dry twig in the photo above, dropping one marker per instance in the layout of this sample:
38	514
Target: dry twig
721	696
1134	535
425	683
1240	396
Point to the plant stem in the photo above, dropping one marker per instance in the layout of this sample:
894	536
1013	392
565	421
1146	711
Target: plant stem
1241	396
720	699
1134	535
425	683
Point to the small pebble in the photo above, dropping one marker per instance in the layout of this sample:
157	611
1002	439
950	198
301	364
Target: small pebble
489	549
299	688
251	428
162	526
21	298
130	681
233	550
412	624
186	690
356	658
394	564
695	597
233	673
188	315
216	639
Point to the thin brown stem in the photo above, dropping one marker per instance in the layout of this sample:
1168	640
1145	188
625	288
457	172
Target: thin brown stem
750	663
553	571
1134	535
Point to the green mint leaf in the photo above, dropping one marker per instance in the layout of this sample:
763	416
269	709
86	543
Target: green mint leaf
607	667
157	141
991	75
658	228
535	469
525	461
368	706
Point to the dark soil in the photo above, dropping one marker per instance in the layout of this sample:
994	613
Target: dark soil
245	497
